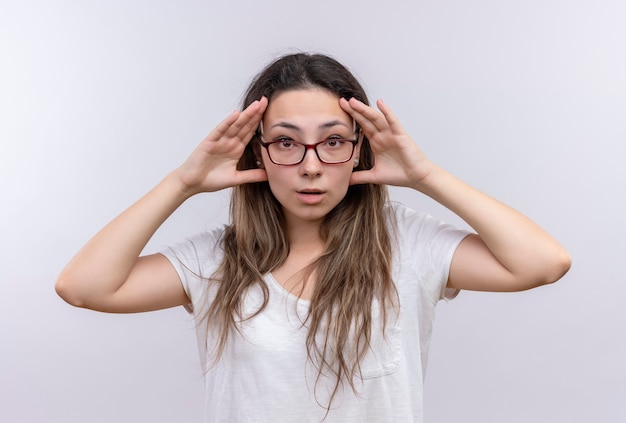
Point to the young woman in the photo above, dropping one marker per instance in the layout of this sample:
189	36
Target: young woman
317	300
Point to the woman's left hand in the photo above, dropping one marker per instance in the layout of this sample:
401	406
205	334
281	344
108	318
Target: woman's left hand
509	251
398	160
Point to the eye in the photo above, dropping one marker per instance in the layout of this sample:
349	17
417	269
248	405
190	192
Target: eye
334	142
285	143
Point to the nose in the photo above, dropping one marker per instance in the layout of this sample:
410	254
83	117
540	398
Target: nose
311	164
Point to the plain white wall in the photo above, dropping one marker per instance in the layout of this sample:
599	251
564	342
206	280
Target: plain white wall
526	100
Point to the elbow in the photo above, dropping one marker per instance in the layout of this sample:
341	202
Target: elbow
558	266
565	264
546	271
66	289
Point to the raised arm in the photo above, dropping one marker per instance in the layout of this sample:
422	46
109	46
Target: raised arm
108	274
509	252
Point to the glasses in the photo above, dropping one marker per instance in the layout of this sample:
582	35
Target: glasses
286	152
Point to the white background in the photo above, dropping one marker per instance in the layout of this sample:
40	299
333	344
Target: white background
524	99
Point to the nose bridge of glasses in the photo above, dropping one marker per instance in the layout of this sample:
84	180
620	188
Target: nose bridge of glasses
309	147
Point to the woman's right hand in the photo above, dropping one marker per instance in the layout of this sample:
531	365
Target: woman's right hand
107	274
213	164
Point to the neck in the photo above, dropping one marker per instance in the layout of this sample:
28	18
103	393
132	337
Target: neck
305	246
305	236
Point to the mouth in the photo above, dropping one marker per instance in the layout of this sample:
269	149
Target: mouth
311	192
311	196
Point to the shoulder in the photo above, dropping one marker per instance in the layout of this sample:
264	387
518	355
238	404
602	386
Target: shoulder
196	259
409	224
424	250
206	242
201	252
422	239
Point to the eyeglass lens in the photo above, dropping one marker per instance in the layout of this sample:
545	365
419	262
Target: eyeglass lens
330	151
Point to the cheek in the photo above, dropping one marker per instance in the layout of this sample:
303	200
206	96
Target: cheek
274	172
264	157
341	177
347	169
278	177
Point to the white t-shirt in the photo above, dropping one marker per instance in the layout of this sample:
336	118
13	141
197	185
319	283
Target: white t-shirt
264	374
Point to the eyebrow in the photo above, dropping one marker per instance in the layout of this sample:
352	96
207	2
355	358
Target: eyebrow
326	125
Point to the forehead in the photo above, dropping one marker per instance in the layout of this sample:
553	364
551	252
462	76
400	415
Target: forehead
304	108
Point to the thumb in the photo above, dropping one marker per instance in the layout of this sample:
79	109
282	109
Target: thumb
252	175
362	177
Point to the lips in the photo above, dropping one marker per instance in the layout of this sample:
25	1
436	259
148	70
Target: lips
310	196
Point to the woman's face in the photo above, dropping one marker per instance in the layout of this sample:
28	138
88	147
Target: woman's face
309	190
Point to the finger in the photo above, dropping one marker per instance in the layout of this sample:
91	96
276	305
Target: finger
374	116
251	175
369	128
390	117
248	121
245	122
236	121
362	177
224	126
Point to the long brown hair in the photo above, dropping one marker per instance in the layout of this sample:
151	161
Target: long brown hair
353	270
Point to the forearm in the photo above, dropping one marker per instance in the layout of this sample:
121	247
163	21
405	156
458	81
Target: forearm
510	252
102	266
530	255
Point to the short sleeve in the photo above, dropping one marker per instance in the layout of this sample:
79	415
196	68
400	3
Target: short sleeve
427	246
196	259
